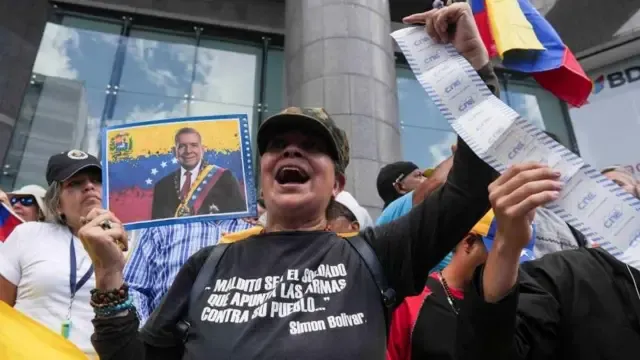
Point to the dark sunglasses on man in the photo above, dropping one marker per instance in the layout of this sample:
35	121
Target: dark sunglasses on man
23	200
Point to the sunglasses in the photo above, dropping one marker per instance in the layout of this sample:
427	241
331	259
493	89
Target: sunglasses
23	200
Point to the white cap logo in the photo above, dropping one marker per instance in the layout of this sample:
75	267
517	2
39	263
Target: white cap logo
77	155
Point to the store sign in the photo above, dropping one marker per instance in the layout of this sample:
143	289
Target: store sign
608	126
616	79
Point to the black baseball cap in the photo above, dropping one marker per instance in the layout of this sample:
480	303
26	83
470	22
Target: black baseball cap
64	165
389	175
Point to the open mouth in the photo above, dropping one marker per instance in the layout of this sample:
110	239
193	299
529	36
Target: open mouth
291	175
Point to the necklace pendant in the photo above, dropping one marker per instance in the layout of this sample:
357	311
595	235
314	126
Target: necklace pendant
65	329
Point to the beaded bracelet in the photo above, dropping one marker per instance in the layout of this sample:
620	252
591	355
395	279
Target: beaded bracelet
106	303
100	298
108	311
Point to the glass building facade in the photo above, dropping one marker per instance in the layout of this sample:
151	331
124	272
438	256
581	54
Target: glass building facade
94	72
91	72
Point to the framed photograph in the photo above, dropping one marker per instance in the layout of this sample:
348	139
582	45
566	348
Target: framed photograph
171	171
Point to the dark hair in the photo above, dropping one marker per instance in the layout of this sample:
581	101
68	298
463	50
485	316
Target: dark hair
261	203
186	130
336	209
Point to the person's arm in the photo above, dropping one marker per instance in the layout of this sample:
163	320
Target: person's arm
10	263
118	338
140	273
440	221
8	291
522	325
410	246
437	179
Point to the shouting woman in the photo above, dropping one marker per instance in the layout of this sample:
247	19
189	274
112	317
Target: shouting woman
295	290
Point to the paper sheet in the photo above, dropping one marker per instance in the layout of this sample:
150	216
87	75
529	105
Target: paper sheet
594	205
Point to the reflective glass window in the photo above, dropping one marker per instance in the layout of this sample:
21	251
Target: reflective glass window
64	102
226	79
538	106
426	147
415	106
426	135
94	72
156	75
274	87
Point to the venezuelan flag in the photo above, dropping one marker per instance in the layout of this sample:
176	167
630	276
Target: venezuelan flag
25	339
139	157
553	65
8	221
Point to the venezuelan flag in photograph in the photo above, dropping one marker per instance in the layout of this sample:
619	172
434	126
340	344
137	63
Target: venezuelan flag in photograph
8	221
142	155
506	29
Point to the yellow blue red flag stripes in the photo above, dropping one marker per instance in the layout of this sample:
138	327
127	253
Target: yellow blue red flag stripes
555	67
510	29
8	221
25	339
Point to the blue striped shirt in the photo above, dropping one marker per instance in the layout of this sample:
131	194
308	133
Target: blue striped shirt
161	252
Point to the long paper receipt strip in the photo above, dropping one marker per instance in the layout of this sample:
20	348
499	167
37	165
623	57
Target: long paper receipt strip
591	203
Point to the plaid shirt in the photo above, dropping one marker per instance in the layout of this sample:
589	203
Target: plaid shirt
161	252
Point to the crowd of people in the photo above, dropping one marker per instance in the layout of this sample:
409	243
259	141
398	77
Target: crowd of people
463	263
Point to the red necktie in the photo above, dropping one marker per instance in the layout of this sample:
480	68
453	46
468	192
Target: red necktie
186	186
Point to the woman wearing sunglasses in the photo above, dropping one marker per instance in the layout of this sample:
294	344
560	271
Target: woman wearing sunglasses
28	202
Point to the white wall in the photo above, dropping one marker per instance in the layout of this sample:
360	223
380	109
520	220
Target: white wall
608	128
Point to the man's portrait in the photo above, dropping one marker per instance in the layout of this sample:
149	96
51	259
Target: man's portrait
171	171
196	188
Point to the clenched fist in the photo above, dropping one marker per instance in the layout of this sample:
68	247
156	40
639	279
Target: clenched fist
104	238
454	24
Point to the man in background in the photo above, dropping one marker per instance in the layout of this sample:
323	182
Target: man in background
431	180
397	179
424	326
161	252
197	188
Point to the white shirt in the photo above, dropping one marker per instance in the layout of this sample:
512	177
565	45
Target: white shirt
36	259
194	174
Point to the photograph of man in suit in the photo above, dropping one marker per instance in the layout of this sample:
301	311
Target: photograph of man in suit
197	188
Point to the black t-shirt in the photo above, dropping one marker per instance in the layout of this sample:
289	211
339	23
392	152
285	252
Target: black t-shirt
289	295
434	332
339	316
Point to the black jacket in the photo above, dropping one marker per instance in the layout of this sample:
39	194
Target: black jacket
575	304
225	195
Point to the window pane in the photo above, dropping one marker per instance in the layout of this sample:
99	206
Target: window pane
79	49
540	107
426	147
132	107
227	73
158	63
274	92
65	100
416	108
156	77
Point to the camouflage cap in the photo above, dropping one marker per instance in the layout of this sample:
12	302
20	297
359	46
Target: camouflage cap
308	119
